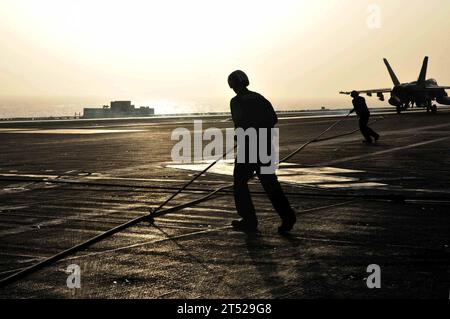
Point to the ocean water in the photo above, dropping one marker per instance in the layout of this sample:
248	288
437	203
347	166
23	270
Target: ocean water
16	107
11	107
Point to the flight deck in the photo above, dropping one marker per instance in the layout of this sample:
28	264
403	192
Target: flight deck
388	204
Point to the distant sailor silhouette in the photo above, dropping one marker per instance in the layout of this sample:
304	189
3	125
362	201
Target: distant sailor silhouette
252	110
361	109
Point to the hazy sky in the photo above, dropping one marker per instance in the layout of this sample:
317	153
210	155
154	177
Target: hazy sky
176	55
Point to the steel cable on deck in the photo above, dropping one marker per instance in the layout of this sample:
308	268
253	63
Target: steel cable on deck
157	213
168	238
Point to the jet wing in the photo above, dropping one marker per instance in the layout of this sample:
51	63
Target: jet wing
368	92
431	89
437	87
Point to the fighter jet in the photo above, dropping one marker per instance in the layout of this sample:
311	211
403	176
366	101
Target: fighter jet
421	93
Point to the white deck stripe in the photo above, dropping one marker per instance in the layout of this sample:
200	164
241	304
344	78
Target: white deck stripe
395	149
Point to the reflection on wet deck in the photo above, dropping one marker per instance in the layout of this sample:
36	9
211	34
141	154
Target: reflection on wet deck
68	131
323	177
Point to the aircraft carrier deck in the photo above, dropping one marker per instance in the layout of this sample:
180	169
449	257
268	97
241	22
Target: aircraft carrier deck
62	183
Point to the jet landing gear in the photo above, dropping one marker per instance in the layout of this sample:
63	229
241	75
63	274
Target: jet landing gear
431	108
402	107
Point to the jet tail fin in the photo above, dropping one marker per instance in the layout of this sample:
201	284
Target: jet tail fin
391	73
423	71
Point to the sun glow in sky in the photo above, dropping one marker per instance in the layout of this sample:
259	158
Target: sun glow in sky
175	55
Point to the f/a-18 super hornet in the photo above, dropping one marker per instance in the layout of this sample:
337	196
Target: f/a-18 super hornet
421	93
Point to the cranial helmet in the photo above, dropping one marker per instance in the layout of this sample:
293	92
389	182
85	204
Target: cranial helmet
238	79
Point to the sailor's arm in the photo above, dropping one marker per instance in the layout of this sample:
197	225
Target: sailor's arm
272	115
354	106
236	113
233	112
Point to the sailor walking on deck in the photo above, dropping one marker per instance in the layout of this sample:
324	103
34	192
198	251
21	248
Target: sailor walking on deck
251	110
361	109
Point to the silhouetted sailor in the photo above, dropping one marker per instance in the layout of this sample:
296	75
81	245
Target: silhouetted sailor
361	109
252	110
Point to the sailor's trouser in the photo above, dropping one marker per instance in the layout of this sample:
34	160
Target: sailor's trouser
366	131
244	205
